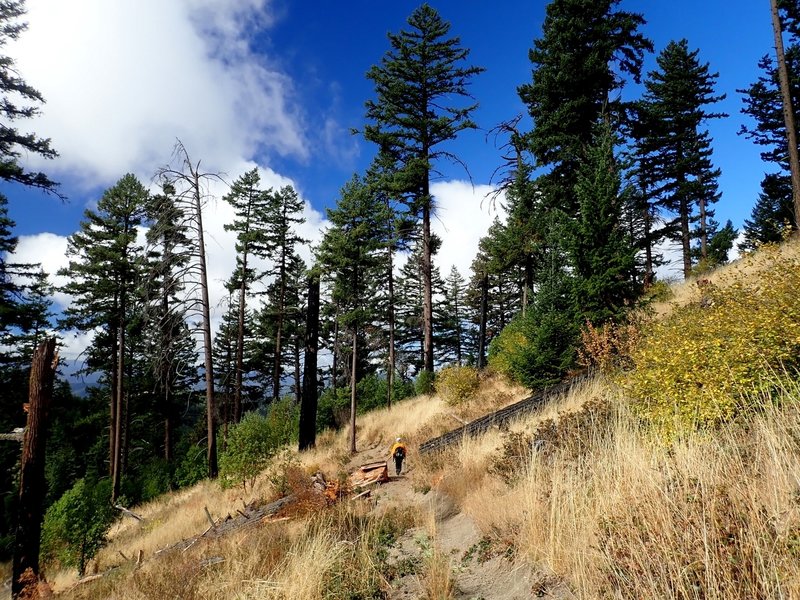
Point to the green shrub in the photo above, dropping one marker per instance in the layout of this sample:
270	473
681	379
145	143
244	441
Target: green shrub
75	526
193	463
457	384
696	368
424	383
154	479
254	441
535	349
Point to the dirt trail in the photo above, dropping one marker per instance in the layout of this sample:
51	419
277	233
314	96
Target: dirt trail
478	570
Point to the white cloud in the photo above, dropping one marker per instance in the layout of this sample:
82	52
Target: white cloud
124	79
463	215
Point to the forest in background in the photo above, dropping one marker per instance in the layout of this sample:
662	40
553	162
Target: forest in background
593	186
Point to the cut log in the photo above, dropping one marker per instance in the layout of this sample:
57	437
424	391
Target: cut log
369	474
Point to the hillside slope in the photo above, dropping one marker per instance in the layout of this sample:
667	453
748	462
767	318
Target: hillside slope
582	500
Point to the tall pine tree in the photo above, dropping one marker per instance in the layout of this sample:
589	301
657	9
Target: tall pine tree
675	147
413	114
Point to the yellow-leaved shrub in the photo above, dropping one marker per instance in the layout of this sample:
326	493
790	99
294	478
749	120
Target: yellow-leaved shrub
694	368
457	384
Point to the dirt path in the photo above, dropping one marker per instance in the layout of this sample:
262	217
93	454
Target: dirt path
478	569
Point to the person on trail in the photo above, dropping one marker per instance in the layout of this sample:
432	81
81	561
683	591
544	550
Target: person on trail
398	453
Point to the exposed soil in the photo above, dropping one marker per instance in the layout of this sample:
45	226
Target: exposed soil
480	568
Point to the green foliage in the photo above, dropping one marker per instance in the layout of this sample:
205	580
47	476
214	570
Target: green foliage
695	368
193	465
333	409
424	383
457	384
537	348
600	248
254	441
673	145
75	525
154	479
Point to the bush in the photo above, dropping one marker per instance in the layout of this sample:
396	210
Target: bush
457	384
535	349
609	346
192	457
424	383
695	368
254	441
154	479
75	526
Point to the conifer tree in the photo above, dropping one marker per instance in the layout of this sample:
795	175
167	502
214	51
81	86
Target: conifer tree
283	215
764	104
18	100
169	347
413	114
452	339
251	206
601	250
102	273
772	214
675	147
350	254
578	63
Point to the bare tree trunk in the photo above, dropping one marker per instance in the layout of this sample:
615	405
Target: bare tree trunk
703	229
189	175
649	271
391	366
482	327
237	393
685	238
298	382
354	363
427	286
209	364
308	405
116	476
32	487
335	360
788	111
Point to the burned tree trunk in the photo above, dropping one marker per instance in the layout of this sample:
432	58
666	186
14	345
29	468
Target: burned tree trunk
32	482
308	406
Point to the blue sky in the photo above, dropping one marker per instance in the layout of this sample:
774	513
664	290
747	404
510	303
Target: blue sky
279	84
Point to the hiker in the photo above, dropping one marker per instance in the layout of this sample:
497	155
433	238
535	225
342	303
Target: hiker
398	452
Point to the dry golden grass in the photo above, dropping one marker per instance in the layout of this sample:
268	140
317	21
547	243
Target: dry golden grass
686	291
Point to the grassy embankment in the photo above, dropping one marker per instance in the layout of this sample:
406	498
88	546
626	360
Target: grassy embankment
607	506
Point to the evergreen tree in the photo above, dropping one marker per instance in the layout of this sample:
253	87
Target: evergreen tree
452	339
601	250
252	207
169	348
413	115
13	89
102	272
586	46
763	103
280	321
281	238
772	215
350	254
675	150
720	243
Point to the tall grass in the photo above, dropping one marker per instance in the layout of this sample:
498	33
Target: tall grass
617	514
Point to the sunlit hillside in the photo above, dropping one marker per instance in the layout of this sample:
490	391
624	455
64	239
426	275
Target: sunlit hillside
587	498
